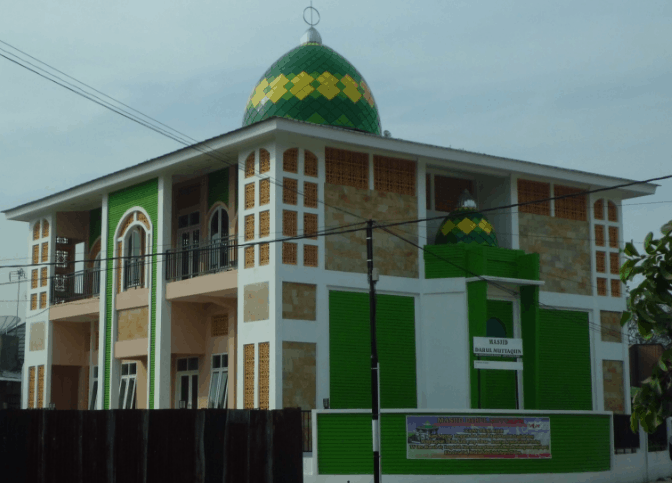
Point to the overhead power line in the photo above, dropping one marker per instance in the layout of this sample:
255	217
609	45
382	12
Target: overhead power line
148	122
420	220
513	293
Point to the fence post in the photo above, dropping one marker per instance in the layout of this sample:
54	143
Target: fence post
109	446
199	447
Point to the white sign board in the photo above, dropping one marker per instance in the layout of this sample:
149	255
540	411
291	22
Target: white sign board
501	365
498	347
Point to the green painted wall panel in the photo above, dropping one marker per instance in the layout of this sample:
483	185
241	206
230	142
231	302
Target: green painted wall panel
442	267
529	323
564	360
344	444
464	260
477	295
579	443
395	325
350	350
218	187
498	388
144	195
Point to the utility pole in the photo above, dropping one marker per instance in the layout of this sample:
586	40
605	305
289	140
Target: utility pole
375	367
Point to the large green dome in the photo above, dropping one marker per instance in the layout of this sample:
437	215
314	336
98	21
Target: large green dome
313	83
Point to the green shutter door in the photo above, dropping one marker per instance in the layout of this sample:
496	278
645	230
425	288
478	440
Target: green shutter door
350	350
564	361
498	387
395	326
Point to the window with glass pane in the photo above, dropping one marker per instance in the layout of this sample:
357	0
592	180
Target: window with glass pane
219	376
127	386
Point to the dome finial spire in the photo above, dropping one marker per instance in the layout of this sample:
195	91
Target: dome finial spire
311	35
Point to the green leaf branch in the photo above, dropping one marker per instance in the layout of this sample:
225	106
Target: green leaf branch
649	306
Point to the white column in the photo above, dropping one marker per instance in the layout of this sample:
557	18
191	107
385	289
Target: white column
514	228
28	358
162	350
48	336
102	308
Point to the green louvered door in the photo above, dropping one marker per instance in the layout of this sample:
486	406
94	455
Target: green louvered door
564	361
350	350
498	387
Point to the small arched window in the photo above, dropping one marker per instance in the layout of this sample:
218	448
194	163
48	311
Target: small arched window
95	276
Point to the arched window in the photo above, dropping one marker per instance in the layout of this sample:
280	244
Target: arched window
494	328
219	239
95	276
219	225
134	258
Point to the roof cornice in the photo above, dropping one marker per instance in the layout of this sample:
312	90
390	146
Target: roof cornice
249	134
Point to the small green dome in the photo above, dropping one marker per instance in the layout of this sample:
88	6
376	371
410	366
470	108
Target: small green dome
313	83
466	225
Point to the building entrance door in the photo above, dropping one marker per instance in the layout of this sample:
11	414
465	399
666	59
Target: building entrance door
498	388
189	237
187	383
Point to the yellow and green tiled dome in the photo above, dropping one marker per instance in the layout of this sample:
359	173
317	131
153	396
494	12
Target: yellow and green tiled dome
466	225
315	84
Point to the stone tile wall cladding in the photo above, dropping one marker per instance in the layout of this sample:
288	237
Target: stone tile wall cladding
299	301
132	324
298	375
255	303
614	393
347	252
36	336
611	326
564	252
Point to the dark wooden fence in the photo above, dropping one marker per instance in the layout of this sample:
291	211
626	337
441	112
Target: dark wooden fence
127	446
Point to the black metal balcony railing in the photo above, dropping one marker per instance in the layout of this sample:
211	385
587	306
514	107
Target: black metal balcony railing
200	260
75	286
307	430
134	273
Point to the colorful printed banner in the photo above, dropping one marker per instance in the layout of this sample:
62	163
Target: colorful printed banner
476	437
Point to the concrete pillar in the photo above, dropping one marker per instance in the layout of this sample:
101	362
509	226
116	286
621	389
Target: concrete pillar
162	353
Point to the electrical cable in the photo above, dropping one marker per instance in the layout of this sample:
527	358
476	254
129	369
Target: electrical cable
511	292
144	123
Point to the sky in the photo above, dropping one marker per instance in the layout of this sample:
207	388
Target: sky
575	84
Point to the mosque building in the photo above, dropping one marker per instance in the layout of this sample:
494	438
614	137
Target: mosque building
233	274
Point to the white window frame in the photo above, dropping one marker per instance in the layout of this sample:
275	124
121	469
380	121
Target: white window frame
124	384
217	374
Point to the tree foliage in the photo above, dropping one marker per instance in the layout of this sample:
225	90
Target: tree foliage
649	306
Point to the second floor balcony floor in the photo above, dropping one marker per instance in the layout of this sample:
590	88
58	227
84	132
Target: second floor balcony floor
133	272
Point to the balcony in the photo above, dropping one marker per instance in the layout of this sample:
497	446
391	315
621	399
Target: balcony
82	287
197	260
75	286
205	273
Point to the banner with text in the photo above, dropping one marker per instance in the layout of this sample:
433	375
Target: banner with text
476	437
